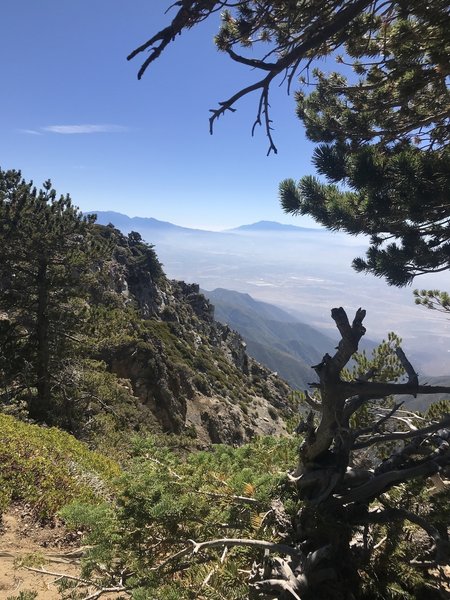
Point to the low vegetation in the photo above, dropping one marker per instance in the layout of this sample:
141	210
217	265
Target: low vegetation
167	498
46	468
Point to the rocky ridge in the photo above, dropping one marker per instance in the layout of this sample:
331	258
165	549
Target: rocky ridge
188	373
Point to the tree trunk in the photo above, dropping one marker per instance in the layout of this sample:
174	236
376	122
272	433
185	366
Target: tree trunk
328	533
40	406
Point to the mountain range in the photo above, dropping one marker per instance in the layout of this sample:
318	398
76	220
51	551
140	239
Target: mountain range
303	271
127	224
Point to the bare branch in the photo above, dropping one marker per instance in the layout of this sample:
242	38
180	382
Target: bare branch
61	576
412	375
192	12
376	426
351	336
158	462
312	402
353	404
383	482
263	107
333	392
403	435
230	542
243	499
106	590
250	62
381	390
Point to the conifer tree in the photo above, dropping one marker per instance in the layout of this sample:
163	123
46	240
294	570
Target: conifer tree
382	121
46	260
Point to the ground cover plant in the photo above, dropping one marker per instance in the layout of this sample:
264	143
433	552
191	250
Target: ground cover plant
46	468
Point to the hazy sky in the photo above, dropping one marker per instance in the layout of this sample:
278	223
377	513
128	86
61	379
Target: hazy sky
73	110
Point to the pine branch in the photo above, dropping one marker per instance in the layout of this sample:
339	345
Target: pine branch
440	546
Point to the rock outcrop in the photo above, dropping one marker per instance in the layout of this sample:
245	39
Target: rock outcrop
191	372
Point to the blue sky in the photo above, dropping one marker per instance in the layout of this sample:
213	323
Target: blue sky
73	110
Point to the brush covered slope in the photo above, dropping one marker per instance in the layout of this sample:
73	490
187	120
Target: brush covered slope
273	336
189	372
95	339
45	468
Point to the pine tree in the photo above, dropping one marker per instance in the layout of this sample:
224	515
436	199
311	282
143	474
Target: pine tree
44	272
398	196
382	120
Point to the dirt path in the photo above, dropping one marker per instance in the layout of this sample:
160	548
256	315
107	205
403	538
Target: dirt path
25	543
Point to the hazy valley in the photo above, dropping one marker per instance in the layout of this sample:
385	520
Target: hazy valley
303	271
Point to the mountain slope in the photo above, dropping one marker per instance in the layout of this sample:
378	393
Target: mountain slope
144	354
273	336
307	271
190	373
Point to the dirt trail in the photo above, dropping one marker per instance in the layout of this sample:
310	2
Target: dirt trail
23	542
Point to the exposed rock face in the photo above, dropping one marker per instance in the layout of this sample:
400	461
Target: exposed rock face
191	372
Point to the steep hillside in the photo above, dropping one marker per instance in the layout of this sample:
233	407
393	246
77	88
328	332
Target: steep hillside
273	336
46	468
128	349
189	371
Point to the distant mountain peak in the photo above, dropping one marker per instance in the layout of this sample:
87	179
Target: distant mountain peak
272	226
127	223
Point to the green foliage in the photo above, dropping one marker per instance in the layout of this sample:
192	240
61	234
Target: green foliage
103	410
47	468
167	498
27	595
391	572
384	138
61	310
33	559
433	299
45	277
142	261
383	364
438	409
395	195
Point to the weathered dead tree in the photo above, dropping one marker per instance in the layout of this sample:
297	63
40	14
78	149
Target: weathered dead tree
339	493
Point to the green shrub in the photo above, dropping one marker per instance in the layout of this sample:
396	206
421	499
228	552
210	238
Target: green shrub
47	468
27	595
167	498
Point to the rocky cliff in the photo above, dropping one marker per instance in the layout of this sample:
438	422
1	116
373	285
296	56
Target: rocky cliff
187	372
